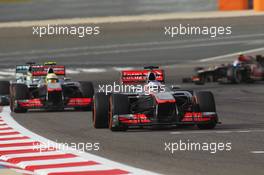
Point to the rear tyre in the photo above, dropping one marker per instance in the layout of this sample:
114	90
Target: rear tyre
237	76
101	110
201	81
234	75
4	87
119	105
87	90
186	80
206	103
18	92
4	92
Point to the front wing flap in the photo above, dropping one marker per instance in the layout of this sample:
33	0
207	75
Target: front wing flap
38	103
144	120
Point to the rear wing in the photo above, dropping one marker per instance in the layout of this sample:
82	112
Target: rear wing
22	69
40	70
140	76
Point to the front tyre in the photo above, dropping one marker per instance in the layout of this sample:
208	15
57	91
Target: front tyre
87	91
234	75
206	103
4	93
100	110
18	92
119	105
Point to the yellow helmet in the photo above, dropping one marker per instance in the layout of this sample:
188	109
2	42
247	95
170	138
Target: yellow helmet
51	78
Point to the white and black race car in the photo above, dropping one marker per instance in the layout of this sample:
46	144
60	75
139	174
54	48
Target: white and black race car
46	87
169	106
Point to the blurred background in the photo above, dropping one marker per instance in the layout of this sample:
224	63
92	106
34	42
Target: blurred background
14	10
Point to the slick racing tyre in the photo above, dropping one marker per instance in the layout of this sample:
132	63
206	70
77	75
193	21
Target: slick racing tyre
4	87
87	90
201	81
205	103
237	76
101	110
234	75
18	92
4	92
119	105
186	80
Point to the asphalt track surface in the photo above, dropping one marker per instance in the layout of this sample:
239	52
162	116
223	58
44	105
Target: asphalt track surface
130	44
240	107
49	9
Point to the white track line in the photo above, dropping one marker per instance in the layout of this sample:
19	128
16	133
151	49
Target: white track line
24	164
1	127
122	68
105	164
74	169
16	168
18	148
11	156
218	132
24	172
92	70
72	71
16	141
11	136
5	131
139	49
257	152
135	49
121	46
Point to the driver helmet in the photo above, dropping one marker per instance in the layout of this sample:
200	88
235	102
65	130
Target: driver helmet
236	63
241	58
151	77
152	84
52	78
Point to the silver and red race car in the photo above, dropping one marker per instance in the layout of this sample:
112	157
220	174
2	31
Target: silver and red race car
246	69
160	106
46	87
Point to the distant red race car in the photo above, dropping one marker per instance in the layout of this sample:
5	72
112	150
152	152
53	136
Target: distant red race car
246	69
162	107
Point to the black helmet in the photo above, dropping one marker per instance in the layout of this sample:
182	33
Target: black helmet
151	76
50	70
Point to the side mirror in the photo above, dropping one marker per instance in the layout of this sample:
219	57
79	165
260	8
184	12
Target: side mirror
175	87
67	79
